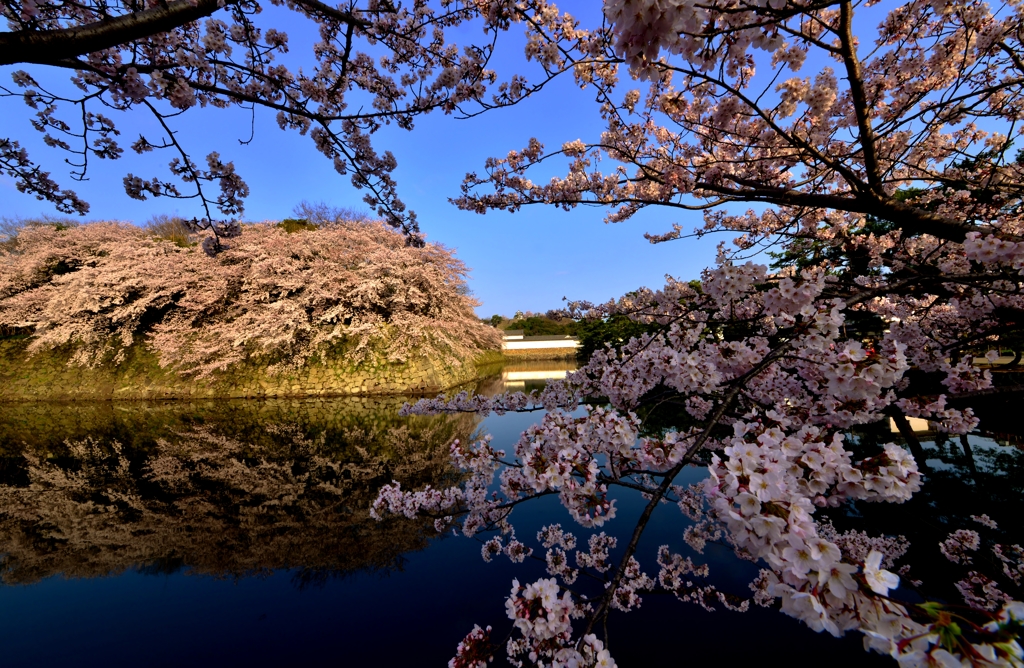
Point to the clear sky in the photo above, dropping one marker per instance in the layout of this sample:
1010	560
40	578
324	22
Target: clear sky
528	260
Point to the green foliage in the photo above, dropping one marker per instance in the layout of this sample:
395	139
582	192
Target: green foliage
539	325
616	331
170	228
495	320
292	225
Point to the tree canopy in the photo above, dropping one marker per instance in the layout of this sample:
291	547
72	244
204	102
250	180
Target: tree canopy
881	171
371	65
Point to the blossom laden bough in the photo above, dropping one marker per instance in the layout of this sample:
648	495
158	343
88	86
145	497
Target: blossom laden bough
369	64
884	187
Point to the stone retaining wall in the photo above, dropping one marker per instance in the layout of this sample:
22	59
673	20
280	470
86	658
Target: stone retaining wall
47	376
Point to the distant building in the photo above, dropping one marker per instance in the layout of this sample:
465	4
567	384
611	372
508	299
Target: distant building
514	344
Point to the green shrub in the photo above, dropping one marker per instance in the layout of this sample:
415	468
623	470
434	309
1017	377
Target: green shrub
292	225
616	331
539	325
171	228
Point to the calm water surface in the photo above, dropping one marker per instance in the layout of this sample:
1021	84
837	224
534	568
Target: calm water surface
237	534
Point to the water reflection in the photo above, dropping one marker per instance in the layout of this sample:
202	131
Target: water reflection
280	489
223	488
966	477
220	488
526	375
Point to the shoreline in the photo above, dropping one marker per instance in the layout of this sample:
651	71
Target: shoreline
48	377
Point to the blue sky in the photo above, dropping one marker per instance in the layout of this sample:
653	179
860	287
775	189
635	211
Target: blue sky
528	260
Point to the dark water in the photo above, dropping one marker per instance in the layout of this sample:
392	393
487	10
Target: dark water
237	534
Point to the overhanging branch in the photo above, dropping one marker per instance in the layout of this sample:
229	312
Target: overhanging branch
44	47
47	47
907	218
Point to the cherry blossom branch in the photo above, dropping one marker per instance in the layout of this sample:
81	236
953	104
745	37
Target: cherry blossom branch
46	47
724	404
860	102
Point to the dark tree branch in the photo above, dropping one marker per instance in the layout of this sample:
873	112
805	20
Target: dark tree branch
908	218
48	47
860	104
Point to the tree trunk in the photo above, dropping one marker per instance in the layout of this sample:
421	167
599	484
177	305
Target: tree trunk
966	445
1017	354
909	436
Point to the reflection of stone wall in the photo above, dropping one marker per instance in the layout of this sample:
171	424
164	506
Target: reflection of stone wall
43	427
249	487
47	376
507	380
540	354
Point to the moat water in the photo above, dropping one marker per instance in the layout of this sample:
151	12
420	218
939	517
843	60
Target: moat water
237	533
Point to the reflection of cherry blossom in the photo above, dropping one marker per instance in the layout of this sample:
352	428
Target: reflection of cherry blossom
221	505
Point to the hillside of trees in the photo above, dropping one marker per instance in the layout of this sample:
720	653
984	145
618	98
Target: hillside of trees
284	292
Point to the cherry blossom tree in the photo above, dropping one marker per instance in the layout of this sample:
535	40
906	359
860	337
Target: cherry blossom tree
350	290
882	175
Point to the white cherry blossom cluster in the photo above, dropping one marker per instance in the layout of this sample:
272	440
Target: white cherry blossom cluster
633	581
272	296
792	297
991	249
766	492
677	575
981	592
475	650
875	280
392	499
597	556
786	456
985	521
946	419
958	544
553	458
559	455
675	569
857	545
558	543
1012	558
763	587
728	282
516	551
644	29
552	535
544	620
699	534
